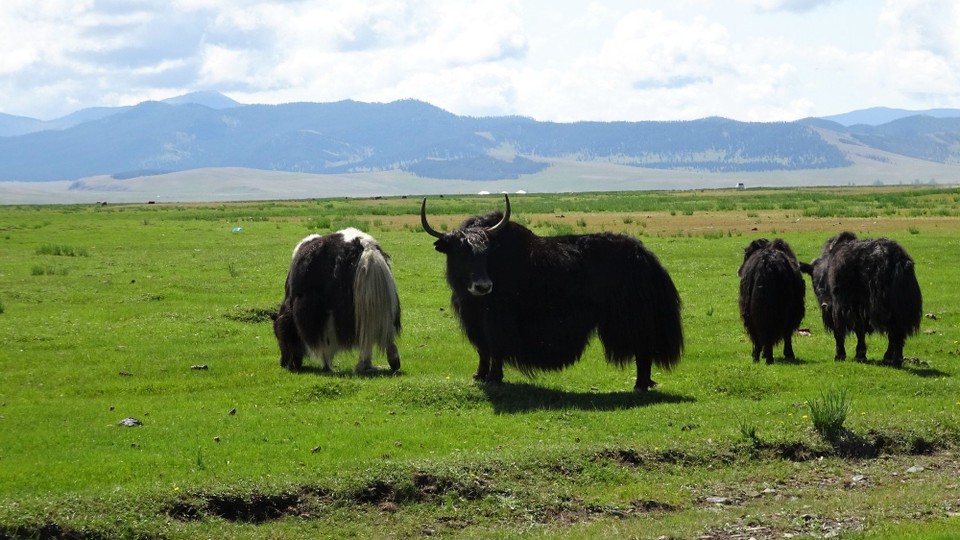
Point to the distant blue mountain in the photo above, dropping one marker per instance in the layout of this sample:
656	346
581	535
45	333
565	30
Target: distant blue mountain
214	100
350	136
207	129
876	116
19	125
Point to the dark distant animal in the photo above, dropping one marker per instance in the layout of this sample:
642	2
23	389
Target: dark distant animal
339	295
867	286
771	296
534	302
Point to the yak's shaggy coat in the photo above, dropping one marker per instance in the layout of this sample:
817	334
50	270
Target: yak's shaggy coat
534	302
771	296
866	286
339	295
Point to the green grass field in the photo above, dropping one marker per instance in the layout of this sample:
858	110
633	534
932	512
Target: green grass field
161	313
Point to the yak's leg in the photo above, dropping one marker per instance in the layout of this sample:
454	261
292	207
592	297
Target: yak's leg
788	347
495	375
327	361
841	354
393	357
768	353
366	361
861	346
756	352
894	354
483	367
644	382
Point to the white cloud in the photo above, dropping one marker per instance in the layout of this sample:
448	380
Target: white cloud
610	60
797	6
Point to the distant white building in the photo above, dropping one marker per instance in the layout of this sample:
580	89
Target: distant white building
483	193
521	192
741	186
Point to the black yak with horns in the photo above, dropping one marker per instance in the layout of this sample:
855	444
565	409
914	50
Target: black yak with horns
866	286
771	296
534	302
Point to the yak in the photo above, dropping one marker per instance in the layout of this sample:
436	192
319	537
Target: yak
771	296
339	295
534	302
867	286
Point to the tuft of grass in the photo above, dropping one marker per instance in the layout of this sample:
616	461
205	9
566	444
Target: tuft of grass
62	250
829	412
40	270
913	230
2	308
748	431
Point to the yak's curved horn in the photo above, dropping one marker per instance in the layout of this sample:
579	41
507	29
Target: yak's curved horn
423	221
506	218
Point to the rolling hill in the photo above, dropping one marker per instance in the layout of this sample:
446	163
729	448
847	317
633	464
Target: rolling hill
104	149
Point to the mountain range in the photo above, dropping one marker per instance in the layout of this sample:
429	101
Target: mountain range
207	130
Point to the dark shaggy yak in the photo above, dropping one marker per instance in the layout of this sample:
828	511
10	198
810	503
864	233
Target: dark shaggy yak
866	286
534	302
771	296
339	295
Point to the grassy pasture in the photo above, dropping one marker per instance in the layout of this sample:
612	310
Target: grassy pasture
161	313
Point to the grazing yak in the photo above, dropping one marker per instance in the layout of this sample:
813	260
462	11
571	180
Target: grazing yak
534	302
866	286
771	296
339	295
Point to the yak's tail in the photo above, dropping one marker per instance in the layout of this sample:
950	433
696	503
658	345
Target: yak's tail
375	300
905	300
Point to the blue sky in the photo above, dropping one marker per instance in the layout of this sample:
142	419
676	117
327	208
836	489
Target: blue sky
752	60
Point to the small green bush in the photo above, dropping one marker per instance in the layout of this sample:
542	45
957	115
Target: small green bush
829	413
62	251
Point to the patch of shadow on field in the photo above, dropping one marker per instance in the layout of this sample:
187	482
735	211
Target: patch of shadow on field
253	508
573	510
387	492
921	368
513	398
252	315
54	531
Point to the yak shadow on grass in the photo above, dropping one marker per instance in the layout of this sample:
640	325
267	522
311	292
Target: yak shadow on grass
513	398
796	361
913	366
921	368
374	373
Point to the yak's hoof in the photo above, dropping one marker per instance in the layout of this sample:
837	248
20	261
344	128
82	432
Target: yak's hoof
394	364
643	388
860	359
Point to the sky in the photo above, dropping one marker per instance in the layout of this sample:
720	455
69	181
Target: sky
551	60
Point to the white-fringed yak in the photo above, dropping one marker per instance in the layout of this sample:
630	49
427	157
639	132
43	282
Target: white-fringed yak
339	295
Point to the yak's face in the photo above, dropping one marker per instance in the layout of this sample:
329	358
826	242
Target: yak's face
466	251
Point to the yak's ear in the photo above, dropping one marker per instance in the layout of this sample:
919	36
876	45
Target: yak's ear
806	268
441	245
